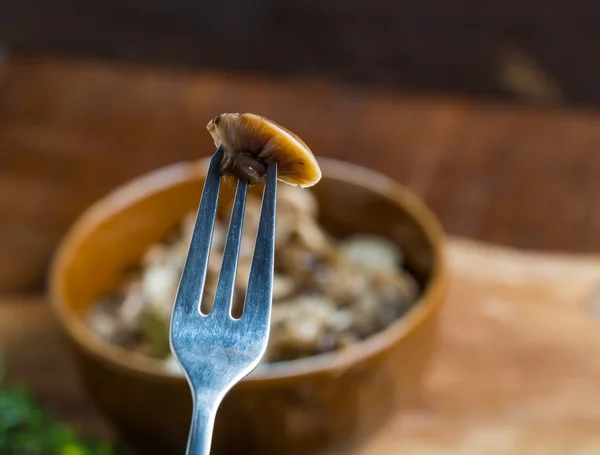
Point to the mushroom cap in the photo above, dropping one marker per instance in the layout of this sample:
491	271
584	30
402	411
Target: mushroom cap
252	135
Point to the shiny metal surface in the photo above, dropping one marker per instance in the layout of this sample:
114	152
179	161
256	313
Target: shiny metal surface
215	350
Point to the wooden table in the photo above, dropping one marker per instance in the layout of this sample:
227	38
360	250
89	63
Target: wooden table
517	371
519	365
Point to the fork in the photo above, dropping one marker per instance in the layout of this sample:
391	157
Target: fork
216	350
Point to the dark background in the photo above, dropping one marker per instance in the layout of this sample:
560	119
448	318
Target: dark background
531	50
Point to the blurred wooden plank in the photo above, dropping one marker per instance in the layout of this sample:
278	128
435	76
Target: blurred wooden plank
418	44
519	360
70	131
517	371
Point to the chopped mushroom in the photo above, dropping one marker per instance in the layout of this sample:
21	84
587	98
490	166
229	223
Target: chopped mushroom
301	327
283	287
297	201
392	288
373	253
252	142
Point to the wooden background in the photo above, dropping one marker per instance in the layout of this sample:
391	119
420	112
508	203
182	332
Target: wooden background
348	77
72	130
486	48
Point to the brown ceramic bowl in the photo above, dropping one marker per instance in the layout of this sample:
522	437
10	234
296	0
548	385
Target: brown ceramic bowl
324	404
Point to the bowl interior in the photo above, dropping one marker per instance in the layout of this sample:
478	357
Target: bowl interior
113	235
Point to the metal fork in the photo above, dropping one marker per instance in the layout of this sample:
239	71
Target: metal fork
216	351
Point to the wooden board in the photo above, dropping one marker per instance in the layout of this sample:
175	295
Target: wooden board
518	370
70	131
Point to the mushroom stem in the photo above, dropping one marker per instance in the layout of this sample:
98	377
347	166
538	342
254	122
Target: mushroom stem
243	166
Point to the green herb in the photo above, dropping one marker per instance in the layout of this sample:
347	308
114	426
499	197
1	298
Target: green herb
156	334
25	429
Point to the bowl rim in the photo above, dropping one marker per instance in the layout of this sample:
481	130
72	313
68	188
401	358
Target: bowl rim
331	363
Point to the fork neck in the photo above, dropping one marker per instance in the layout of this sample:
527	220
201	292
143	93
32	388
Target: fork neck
203	419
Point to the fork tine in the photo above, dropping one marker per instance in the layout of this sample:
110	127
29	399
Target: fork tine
260	284
225	286
191	285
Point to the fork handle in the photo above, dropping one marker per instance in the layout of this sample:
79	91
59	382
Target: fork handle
203	419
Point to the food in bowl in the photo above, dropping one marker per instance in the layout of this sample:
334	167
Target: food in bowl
327	293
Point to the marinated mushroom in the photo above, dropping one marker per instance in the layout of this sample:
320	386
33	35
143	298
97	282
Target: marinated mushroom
301	327
252	142
371	252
